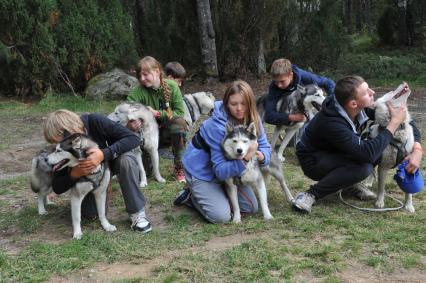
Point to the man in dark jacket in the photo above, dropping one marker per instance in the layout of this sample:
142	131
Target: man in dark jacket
285	78
115	144
331	150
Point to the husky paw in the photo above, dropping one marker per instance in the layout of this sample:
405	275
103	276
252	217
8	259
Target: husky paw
42	212
281	158
236	220
77	236
409	208
379	204
143	184
110	228
268	217
161	179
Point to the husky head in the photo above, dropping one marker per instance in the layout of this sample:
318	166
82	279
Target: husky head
40	163
237	140
205	101
127	111
313	97
69	151
396	98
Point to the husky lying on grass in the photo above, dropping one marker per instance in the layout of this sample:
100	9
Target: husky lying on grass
67	154
235	145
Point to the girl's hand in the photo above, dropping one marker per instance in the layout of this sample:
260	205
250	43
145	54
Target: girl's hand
251	151
154	112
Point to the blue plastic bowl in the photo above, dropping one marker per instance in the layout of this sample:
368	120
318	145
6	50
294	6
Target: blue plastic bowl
409	183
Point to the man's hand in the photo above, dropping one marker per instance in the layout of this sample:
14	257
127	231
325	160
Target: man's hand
135	125
296	117
88	165
397	116
414	158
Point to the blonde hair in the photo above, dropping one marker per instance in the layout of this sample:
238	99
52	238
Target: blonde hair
280	67
244	89
60	121
148	64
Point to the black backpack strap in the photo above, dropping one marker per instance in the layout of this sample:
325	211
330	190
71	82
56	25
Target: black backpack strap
199	142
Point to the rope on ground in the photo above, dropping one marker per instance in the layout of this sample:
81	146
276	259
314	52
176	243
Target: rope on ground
374	209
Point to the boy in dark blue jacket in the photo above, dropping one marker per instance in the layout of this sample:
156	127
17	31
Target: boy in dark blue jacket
331	150
285	78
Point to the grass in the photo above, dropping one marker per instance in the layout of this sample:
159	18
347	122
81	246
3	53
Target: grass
182	247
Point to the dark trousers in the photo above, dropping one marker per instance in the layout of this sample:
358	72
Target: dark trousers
126	168
332	171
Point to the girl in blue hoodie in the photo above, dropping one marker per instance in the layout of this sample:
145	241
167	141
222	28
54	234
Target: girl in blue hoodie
206	166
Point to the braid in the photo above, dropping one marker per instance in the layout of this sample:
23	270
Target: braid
166	93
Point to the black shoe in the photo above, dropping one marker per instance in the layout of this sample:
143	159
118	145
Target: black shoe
360	192
182	197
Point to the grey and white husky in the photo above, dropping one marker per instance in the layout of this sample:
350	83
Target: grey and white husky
400	147
304	100
41	178
235	145
149	135
67	154
197	104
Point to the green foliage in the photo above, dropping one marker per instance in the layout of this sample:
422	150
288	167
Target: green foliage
42	41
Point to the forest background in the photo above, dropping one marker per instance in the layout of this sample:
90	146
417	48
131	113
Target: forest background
61	44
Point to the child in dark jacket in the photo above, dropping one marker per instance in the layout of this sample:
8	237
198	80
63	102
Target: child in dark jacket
285	78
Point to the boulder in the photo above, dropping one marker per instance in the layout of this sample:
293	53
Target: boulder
113	85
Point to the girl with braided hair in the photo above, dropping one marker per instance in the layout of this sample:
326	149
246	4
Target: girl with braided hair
164	99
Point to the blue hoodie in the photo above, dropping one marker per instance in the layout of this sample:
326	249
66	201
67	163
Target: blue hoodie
300	77
333	131
207	166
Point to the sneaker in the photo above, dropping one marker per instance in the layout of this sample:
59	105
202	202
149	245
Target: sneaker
139	222
182	197
303	202
361	192
180	175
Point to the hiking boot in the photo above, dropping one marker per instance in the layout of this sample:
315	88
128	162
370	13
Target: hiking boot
182	197
303	202
361	192
139	222
180	174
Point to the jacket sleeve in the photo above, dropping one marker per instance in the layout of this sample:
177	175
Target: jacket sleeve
264	146
136	95
272	116
323	82
346	141
119	138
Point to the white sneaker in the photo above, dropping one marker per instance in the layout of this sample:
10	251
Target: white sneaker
303	202
139	222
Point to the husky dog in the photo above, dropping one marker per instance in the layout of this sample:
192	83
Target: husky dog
197	104
235	145
127	111
41	178
67	154
402	144
305	99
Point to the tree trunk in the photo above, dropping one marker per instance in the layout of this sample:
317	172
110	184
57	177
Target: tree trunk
261	65
207	40
348	15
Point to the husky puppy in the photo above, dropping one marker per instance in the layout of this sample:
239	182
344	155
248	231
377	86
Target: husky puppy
67	154
402	144
235	145
197	104
41	178
305	99
149	135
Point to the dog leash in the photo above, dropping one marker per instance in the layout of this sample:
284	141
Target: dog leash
374	209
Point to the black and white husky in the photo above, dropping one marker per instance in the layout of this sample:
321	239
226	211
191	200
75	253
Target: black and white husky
149	135
235	145
41	178
400	147
197	104
67	154
304	100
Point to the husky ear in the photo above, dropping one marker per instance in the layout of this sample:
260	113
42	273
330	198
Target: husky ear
252	129
229	128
